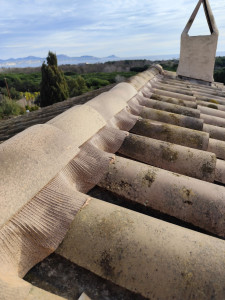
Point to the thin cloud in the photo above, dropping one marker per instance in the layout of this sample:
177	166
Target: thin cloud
98	27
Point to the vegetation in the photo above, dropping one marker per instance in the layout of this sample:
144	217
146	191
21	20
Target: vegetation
32	108
219	74
73	80
9	108
20	84
97	80
54	87
220	62
139	69
170	65
77	86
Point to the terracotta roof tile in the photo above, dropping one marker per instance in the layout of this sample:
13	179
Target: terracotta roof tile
170	157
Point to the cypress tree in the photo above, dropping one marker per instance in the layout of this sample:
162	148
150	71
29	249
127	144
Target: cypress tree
54	87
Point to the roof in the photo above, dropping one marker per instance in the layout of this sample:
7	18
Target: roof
149	219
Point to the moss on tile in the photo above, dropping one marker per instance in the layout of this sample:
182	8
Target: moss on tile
169	154
213	101
156	97
212	106
175	119
149	178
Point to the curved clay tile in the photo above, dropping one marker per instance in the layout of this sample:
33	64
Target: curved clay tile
210	100
80	123
183	160
220	171
172	118
183	197
173	95
145	255
172	133
172	107
174	89
212	111
217	147
215	132
172	100
34	156
107	104
124	90
213	120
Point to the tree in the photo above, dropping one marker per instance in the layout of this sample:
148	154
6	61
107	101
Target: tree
54	87
76	86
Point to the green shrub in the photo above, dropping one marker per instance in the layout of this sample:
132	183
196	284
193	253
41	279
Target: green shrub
34	107
77	86
220	62
69	73
170	66
31	108
219	75
21	82
96	83
14	94
139	69
9	107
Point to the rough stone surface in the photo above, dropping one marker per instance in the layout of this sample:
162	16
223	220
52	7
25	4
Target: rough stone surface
197	54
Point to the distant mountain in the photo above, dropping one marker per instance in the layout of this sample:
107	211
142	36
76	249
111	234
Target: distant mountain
112	56
32	61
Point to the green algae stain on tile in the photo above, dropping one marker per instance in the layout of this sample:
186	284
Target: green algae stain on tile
187	195
167	131
213	101
106	264
149	178
169	154
196	140
212	106
156	97
209	167
175	119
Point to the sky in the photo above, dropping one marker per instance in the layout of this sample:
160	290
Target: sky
125	28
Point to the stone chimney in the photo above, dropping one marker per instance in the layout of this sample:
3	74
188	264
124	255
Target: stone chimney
197	53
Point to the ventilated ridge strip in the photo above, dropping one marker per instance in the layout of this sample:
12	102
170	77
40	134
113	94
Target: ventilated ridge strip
39	227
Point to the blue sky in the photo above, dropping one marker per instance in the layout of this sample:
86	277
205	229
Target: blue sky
100	28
